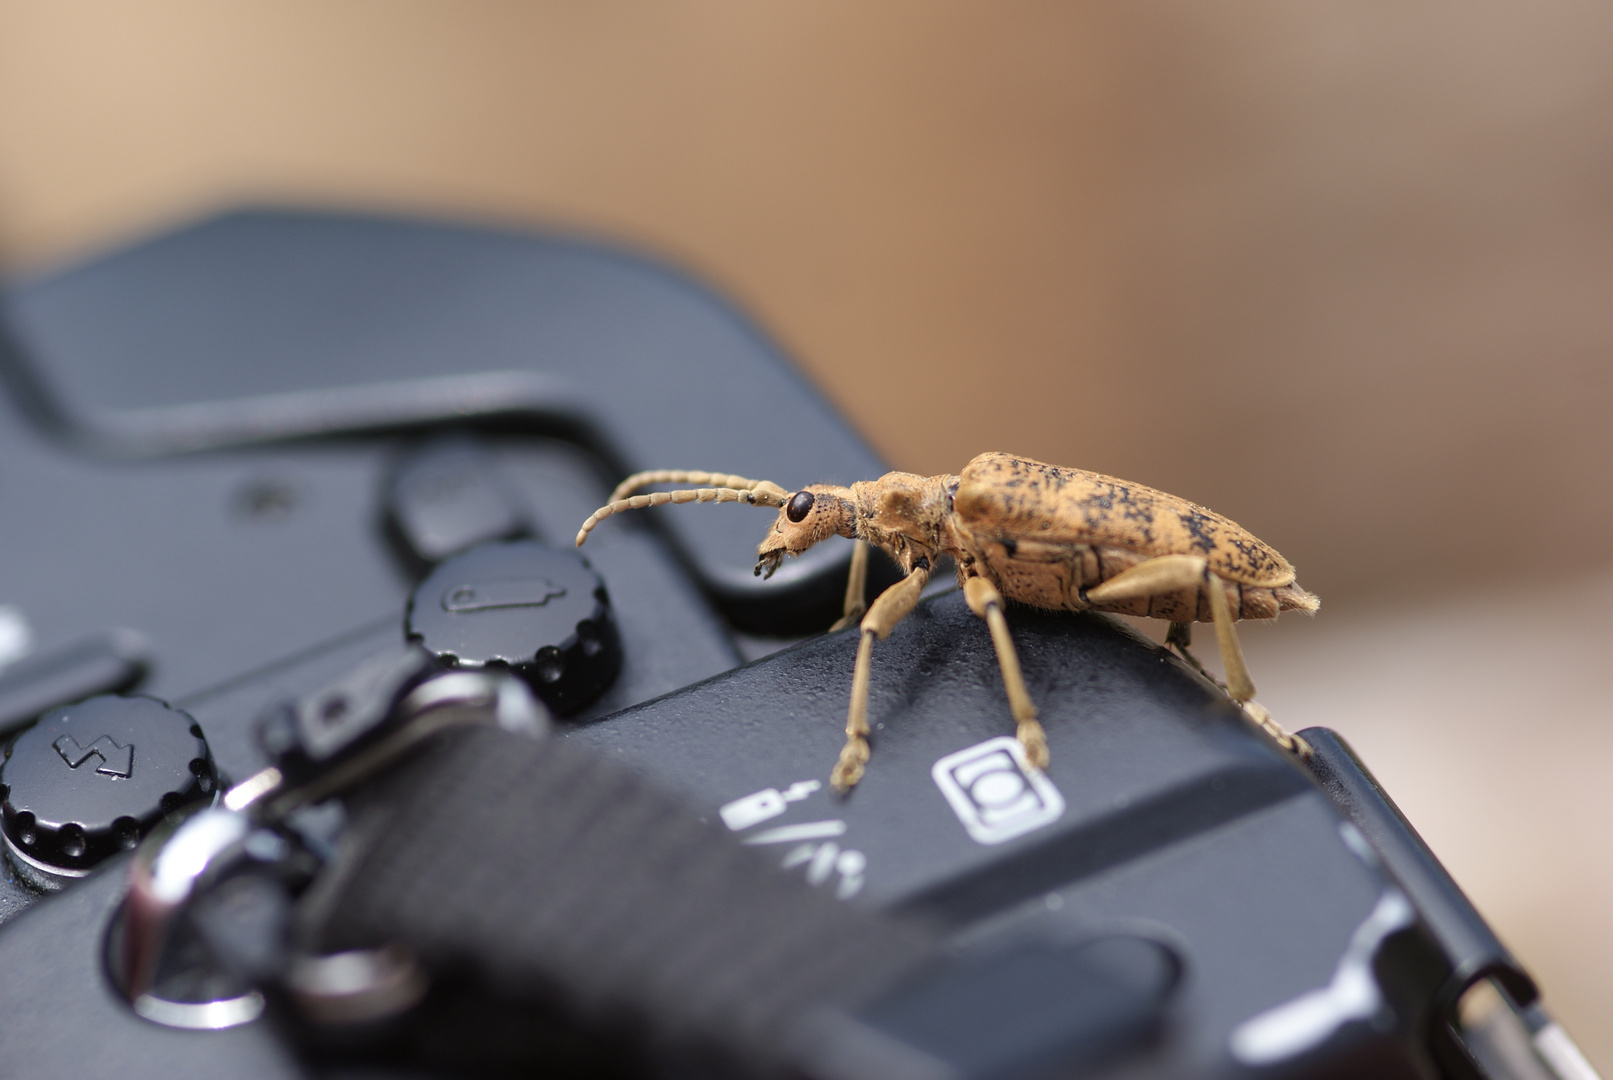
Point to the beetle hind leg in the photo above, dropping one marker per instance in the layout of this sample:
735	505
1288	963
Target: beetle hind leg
856	588
1258	715
1168	573
1173	573
1240	688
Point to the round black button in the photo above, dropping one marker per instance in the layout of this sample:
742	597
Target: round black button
89	780
539	611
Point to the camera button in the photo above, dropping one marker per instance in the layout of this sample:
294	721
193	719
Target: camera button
540	612
446	497
89	780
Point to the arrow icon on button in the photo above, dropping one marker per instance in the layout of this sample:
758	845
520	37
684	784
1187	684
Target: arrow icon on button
116	760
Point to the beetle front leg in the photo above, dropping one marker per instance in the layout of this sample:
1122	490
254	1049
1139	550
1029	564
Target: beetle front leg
856	588
890	608
985	601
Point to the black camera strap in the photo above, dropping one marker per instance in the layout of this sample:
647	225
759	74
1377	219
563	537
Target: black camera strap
563	891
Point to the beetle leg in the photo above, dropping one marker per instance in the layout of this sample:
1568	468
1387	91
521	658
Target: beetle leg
1170	573
1260	716
889	608
1180	638
1240	687
854	755
984	600
1173	573
856	588
1164	574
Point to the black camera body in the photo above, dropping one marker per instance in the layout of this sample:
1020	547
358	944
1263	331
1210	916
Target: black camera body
240	461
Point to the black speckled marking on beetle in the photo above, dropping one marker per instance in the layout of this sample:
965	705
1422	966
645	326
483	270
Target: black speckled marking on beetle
1255	557
1198	526
1136	511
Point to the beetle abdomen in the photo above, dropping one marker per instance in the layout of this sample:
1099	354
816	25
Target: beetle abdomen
1000	495
1053	575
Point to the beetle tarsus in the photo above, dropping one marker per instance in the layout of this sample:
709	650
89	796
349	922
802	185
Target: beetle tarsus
1034	740
849	769
1260	716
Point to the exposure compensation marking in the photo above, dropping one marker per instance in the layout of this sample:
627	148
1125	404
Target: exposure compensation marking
816	843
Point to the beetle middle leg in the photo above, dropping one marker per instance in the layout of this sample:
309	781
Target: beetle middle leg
1179	638
889	608
856	588
984	600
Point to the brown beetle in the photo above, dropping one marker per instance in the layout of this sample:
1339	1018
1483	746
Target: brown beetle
1063	539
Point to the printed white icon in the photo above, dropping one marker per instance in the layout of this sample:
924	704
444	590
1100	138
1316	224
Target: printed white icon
823	861
995	792
807	830
764	804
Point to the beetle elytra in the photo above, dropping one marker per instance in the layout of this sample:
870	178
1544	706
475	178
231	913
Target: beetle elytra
1038	534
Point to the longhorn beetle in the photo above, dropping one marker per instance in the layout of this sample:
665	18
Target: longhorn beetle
1050	537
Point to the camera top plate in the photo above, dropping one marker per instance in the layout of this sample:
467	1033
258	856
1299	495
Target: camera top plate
264	327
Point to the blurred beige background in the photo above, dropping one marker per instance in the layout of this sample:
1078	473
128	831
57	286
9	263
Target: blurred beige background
1343	271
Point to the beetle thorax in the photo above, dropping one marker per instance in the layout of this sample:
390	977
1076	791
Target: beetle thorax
904	515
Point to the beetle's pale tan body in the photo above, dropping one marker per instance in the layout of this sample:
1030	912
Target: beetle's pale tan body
1045	534
1051	537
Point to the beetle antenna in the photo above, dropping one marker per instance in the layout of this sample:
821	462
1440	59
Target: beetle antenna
684	476
763	493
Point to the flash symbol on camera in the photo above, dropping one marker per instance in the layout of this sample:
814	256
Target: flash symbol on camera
995	792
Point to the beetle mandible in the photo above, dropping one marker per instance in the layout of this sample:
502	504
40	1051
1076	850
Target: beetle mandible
1051	537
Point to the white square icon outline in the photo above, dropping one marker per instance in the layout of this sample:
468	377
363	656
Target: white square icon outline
995	792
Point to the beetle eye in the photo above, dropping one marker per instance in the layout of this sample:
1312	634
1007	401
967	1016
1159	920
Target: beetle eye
799	506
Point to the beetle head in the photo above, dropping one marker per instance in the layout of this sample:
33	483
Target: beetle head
814	513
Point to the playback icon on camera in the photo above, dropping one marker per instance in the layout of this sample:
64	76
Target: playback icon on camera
995	792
